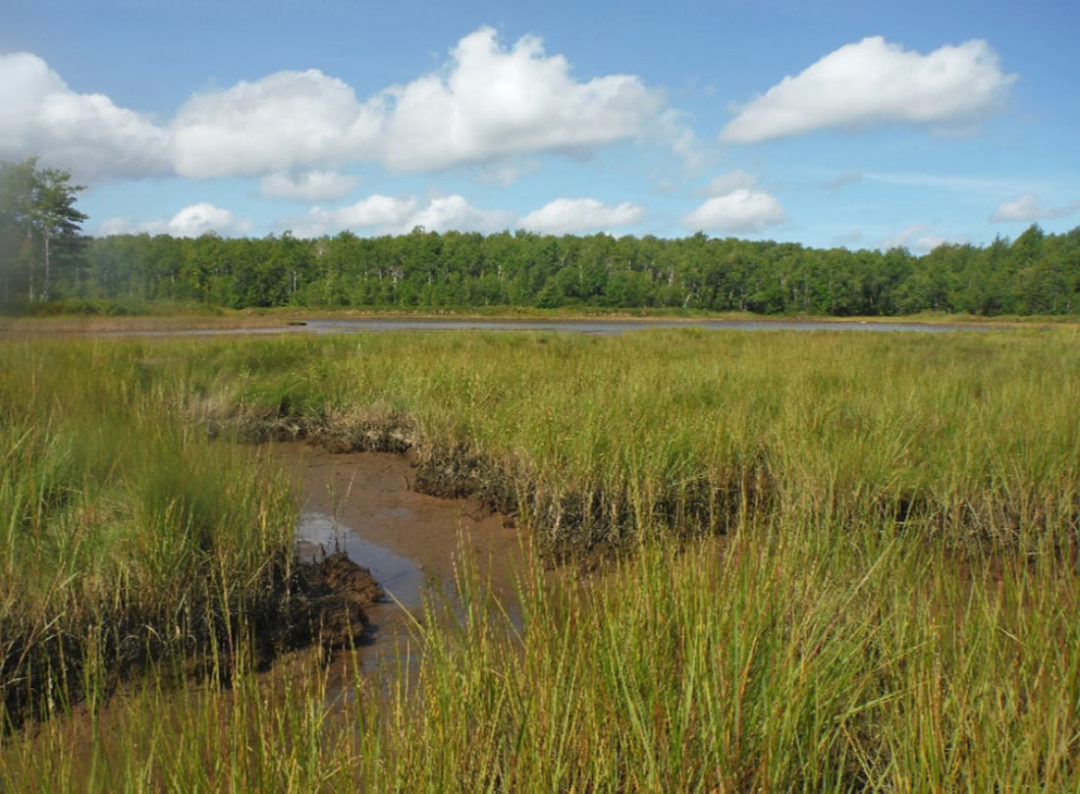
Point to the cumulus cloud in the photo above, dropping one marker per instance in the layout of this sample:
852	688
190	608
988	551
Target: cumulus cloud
876	82
917	237
1027	209
571	216
193	221
287	120
200	219
741	210
307	186
374	212
489	103
84	133
494	102
454	212
396	215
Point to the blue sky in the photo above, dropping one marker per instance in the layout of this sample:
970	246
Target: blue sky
856	124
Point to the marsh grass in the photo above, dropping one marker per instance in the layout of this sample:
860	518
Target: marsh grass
781	658
126	535
967	438
839	563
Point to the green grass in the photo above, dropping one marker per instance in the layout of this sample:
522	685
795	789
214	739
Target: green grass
889	604
784	658
124	534
968	437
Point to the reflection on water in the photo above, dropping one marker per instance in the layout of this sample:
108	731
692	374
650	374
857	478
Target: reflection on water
607	327
599	327
317	533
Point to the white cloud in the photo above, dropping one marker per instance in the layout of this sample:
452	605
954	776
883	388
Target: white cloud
193	221
1027	209
570	216
723	184
84	133
443	213
397	215
493	102
917	237
287	120
200	219
742	210
875	82
374	212
488	104
308	186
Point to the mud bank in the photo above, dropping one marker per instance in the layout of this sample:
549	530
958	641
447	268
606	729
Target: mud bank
373	494
364	505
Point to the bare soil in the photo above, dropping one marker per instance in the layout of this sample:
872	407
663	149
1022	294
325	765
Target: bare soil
373	495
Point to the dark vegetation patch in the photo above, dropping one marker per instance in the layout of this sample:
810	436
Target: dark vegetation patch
569	523
51	663
583	523
331	602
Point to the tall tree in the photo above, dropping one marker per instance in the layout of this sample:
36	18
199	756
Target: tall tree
38	224
56	220
16	196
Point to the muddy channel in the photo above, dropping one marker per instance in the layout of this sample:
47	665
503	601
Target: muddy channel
365	504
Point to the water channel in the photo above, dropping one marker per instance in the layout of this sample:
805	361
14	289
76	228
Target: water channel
573	326
364	504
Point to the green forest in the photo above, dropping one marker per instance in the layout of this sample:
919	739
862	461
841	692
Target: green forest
46	261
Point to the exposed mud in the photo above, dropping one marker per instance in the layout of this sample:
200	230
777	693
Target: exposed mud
368	547
336	594
371	496
364	505
320	602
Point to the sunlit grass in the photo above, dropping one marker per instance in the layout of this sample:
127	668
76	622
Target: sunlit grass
782	658
839	562
126	535
970	437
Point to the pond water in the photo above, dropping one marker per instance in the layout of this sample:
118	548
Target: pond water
608	327
580	326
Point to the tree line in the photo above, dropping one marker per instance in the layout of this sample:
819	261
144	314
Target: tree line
1037	273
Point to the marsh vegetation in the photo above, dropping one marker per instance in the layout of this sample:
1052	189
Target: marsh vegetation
820	561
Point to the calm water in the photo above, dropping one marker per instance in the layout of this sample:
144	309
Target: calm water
607	326
318	533
600	327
